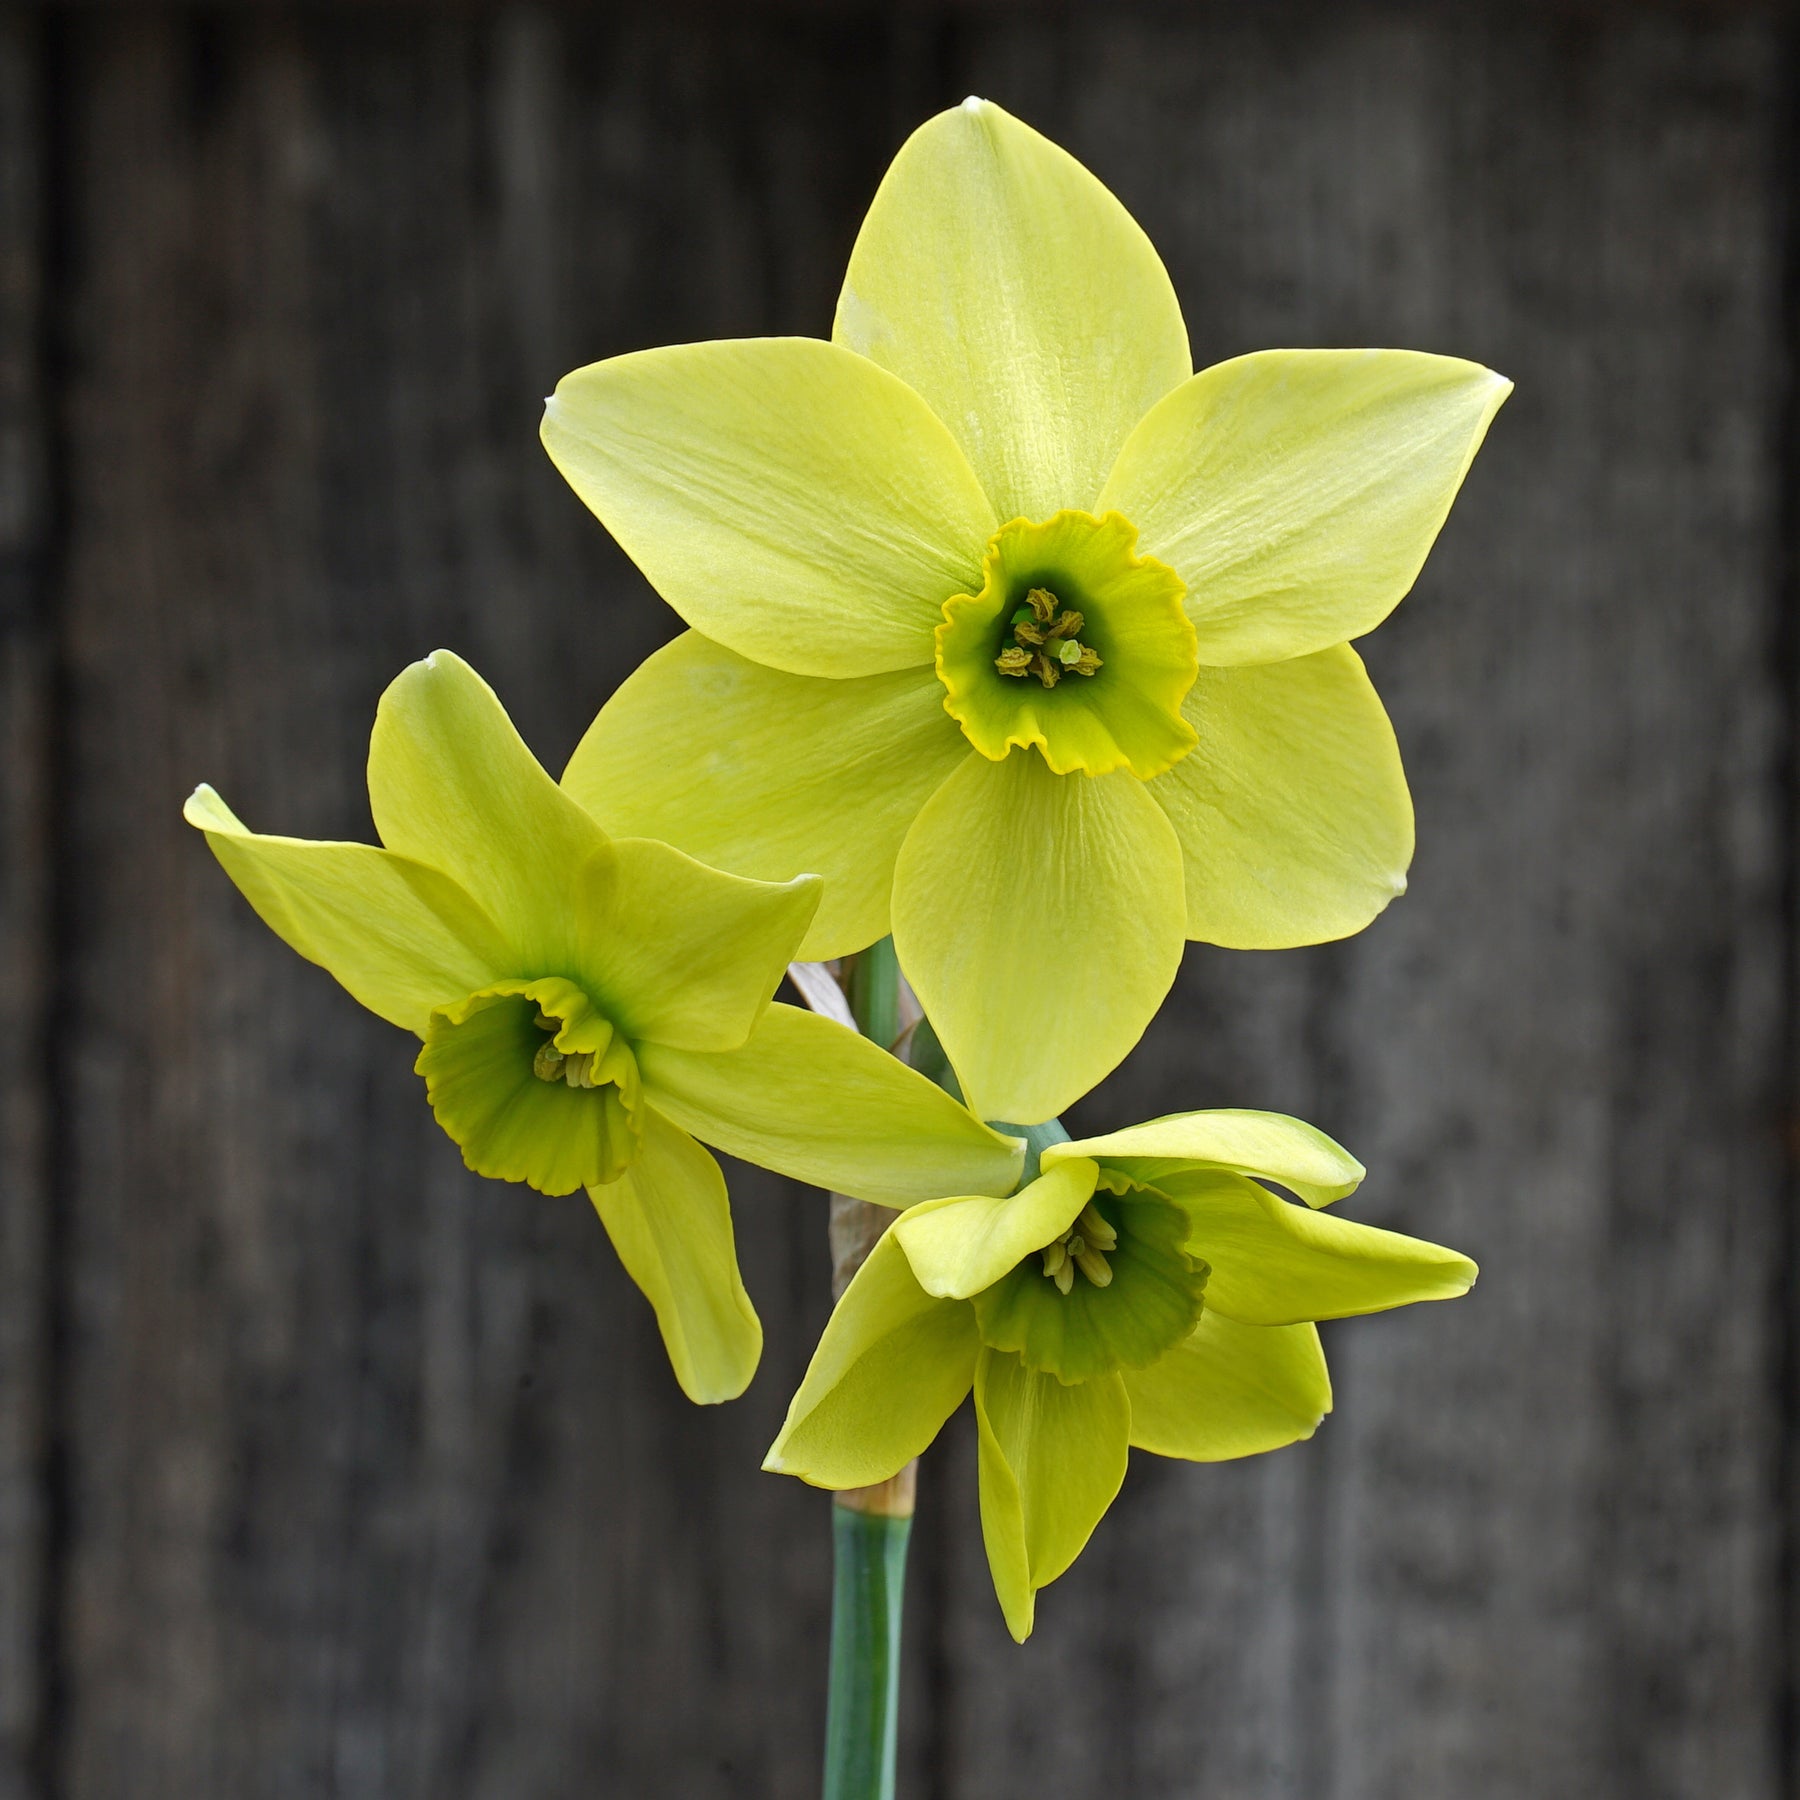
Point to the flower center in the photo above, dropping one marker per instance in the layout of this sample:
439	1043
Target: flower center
1083	1246
1046	641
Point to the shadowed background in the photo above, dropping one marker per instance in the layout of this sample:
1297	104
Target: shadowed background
329	1470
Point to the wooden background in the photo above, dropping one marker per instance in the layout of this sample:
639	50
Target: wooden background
327	1470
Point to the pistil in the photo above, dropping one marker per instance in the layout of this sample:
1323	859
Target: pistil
1046	641
1084	1246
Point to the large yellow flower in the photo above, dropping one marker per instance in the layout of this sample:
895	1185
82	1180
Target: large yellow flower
1030	640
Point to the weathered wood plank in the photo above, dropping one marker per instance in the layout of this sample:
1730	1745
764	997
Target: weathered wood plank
1535	1549
25	937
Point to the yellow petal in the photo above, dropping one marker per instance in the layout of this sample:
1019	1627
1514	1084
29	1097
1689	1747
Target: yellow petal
959	1246
770	775
452	784
399	935
669	1219
1052	1460
1295	822
892	1365
809	1099
1231	1390
1003	282
1040	920
786	497
1297	492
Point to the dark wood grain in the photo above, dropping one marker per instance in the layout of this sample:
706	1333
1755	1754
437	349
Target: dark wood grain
371	1479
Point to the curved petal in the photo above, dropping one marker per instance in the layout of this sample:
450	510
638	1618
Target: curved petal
1231	1390
772	775
669	1219
1289	1151
452	784
996	276
807	1098
1274	1263
1295	822
1297	492
1052	1460
959	1246
401	937
677	953
784	496
1040	920
892	1365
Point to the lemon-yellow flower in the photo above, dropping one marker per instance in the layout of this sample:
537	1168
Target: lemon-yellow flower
586	1003
1029	639
1147	1290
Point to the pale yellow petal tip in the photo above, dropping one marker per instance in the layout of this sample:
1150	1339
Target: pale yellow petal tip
207	812
973	104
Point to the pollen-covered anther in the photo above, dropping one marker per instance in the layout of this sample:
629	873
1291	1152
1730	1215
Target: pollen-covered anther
1083	1246
1046	641
576	1069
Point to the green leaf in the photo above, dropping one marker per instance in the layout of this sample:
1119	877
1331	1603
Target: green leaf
1297	492
959	1246
770	775
787	498
1231	1390
1000	279
669	1219
810	1099
1040	920
1052	1459
400	936
1295	822
1275	1263
892	1365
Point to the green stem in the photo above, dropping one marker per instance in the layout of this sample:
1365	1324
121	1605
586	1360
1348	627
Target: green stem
863	1713
875	993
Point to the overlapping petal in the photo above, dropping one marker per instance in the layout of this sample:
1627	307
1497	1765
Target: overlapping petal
1289	1151
670	1221
1297	492
786	497
996	276
807	1098
893	1364
1275	1263
1295	822
678	953
1052	1460
1040	920
452	784
1230	1390
959	1246
771	775
398	934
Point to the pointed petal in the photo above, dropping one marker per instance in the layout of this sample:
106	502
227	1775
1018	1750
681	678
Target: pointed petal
669	1219
1297	492
892	1366
402	937
807	1098
1274	1263
1040	920
772	775
1231	1390
1003	282
677	953
1289	1151
452	784
784	496
1295	822
959	1246
1052	1460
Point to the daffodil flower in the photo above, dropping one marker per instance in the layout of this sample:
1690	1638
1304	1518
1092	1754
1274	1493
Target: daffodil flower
1029	639
586	1003
1146	1290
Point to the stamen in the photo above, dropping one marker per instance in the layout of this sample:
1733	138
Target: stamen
547	1065
1095	1229
1095	1267
1046	641
1083	1246
1064	1278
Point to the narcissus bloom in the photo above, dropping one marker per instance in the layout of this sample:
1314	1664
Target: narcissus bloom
1029	639
587	1002
1146	1289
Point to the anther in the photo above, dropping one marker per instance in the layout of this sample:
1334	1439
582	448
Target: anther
1093	1265
548	1064
1095	1229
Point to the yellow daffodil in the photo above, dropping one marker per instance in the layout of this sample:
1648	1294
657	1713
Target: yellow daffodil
587	1002
1029	639
1147	1289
